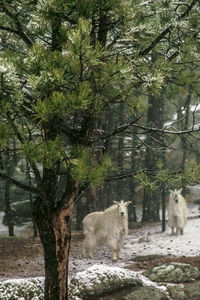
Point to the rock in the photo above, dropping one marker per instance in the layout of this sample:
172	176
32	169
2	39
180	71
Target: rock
144	239
99	280
146	293
173	272
176	292
141	258
190	291
134	225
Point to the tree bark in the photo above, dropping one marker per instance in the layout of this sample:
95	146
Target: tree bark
103	27
185	125
163	208
9	213
35	233
154	153
8	209
55	234
132	216
120	160
132	185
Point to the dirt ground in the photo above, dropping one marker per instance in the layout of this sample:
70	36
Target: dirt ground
23	257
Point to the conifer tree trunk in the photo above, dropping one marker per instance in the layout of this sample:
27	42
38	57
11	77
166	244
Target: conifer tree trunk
185	125
35	233
163	207
8	209
9	213
80	213
132	208
120	160
55	234
55	239
151	199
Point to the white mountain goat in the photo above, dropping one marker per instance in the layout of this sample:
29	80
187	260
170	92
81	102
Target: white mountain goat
177	211
108	227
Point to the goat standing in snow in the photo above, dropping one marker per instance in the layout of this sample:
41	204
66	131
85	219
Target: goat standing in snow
108	227
177	211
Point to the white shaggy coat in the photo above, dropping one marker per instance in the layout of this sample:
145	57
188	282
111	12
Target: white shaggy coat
177	212
107	227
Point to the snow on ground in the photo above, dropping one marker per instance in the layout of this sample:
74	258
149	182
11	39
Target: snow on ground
161	243
3	228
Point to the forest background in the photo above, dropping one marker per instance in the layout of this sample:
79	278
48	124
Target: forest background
99	101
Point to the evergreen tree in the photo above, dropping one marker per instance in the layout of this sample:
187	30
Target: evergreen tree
64	65
55	85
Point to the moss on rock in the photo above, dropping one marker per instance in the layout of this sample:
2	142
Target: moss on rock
146	293
190	291
173	272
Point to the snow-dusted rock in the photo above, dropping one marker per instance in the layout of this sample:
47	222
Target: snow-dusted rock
98	280
146	293
173	272
21	289
186	292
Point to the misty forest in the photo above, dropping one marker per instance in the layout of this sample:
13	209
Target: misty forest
99	102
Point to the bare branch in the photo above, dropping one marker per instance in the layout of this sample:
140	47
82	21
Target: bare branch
120	129
163	130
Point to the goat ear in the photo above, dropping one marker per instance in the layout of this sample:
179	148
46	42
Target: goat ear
180	190
116	202
127	203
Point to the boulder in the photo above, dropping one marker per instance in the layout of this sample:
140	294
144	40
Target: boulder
190	291
101	280
146	293
173	272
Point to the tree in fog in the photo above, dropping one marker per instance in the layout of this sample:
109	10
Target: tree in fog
64	65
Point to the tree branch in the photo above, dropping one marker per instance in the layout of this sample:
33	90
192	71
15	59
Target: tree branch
21	139
162	130
167	30
19	184
19	30
8	29
120	129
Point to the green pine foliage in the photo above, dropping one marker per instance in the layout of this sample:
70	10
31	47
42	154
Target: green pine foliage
48	153
5	132
77	83
86	169
55	77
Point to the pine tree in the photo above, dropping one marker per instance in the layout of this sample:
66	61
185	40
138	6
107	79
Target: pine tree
64	64
55	84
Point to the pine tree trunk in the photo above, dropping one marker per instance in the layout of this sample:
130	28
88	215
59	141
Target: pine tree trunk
8	209
185	125
9	213
132	185
163	208
132	216
51	217
154	153
35	233
55	235
120	160
79	211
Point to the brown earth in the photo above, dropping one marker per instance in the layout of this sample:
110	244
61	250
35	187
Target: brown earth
23	257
